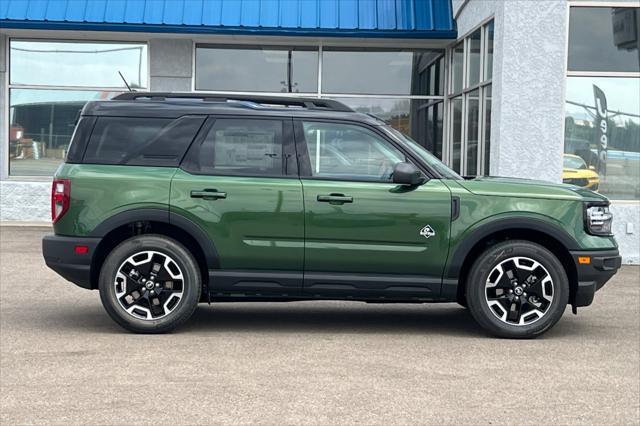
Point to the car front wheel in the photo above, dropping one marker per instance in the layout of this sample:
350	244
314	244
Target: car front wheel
150	284
517	289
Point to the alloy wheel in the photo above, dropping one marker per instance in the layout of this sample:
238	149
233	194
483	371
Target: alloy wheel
149	285
519	291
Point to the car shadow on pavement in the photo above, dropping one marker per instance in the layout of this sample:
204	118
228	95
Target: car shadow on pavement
298	317
416	319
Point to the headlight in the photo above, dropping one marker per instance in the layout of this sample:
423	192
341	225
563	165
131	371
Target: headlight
598	220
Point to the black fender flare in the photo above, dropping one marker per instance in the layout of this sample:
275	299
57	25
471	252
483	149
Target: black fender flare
457	258
164	216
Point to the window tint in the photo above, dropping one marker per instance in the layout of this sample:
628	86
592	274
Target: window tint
141	141
345	151
242	147
604	39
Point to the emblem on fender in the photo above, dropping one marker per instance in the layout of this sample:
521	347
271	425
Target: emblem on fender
427	231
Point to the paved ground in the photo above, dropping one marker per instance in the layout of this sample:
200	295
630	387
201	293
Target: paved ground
64	361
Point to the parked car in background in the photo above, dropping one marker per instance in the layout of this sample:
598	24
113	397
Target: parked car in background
168	200
576	172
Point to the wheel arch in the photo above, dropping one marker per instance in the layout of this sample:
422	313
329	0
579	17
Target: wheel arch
129	223
538	231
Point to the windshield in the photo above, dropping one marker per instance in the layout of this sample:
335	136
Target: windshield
571	162
423	154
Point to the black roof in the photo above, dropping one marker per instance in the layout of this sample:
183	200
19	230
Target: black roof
172	105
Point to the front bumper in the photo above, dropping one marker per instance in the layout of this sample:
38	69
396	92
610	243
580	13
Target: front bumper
593	275
60	255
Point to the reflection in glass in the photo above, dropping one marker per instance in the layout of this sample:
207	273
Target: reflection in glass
604	39
602	126
456	133
420	119
376	72
488	59
256	70
41	124
473	125
458	62
473	58
78	64
487	128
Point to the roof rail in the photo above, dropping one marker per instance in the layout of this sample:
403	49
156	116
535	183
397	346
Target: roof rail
285	101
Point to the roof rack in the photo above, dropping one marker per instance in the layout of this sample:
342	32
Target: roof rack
248	100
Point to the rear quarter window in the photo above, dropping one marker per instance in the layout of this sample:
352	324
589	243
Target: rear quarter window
141	141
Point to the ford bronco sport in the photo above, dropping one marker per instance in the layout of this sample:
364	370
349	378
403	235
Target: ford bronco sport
166	200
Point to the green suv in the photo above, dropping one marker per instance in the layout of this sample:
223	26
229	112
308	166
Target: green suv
166	200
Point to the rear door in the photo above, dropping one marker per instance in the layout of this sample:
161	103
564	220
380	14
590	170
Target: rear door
239	183
366	236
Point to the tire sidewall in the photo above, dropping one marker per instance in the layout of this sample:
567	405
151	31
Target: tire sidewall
184	259
479	273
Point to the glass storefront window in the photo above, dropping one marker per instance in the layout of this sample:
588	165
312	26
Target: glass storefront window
456	134
457	67
487	128
78	64
473	127
41	123
468	143
602	126
488	59
374	72
256	69
474	58
420	119
604	39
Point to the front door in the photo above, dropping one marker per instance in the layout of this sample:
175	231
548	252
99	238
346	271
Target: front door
365	236
239	183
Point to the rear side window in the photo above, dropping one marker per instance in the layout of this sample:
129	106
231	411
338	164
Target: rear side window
141	141
244	147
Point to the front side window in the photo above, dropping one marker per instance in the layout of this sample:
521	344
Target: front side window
349	152
243	147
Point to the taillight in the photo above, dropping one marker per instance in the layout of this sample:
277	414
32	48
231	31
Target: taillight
60	198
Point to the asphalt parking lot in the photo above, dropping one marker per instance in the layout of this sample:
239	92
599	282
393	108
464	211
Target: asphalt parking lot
64	361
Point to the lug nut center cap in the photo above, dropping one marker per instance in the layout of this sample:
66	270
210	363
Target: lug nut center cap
518	291
149	285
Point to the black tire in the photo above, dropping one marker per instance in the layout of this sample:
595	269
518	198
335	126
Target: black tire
191	284
478	300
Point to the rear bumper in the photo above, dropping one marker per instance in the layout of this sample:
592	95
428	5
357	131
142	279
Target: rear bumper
59	255
593	275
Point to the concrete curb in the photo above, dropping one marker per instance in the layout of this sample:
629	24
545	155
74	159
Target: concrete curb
19	223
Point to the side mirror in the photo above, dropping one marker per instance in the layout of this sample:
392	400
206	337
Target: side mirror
592	168
408	174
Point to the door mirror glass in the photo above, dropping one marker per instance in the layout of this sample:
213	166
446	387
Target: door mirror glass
408	174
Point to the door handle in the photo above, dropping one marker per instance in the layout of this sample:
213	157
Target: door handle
335	199
208	194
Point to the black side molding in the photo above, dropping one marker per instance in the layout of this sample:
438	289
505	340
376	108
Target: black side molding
455	208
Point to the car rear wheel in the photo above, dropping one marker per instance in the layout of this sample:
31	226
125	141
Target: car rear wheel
150	284
517	289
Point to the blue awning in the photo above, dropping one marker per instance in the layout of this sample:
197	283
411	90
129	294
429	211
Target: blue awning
423	19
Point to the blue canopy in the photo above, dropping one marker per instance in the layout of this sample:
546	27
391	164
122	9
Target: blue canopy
423	19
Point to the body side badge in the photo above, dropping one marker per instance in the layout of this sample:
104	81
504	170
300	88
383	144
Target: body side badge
427	231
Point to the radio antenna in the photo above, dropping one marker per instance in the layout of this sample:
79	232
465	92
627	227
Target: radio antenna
125	81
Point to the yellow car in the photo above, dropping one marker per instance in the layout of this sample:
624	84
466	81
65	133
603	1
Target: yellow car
576	172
